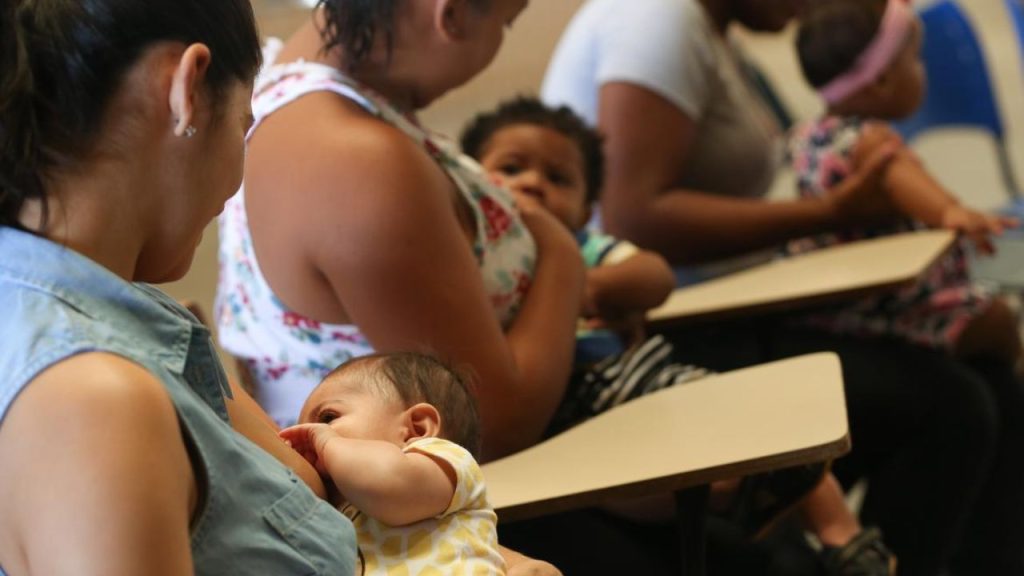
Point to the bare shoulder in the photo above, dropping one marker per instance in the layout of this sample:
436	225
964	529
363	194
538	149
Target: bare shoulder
368	154
98	379
95	397
371	181
107	428
344	164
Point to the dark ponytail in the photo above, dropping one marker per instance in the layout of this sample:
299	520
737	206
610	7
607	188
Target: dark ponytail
19	149
61	61
355	25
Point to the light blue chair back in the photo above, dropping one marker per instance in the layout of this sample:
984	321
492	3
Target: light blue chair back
1016	10
960	92
961	95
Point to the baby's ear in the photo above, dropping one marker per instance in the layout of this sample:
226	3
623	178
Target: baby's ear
422	421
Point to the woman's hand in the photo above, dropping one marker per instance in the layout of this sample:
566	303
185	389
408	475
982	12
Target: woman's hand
532	567
521	565
861	198
977	226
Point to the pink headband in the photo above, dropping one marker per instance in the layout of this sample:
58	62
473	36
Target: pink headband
876	57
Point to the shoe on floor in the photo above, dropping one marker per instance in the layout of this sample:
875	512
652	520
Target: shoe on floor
865	555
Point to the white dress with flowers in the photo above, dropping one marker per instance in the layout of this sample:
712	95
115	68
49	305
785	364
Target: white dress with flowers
287	353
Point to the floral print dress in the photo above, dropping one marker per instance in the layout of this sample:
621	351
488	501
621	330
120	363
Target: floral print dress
287	353
932	312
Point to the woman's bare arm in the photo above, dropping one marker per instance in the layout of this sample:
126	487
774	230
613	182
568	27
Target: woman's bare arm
249	420
634	285
383	231
95	476
647	143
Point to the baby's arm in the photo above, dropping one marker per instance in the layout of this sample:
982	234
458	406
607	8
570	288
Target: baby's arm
918	195
377	477
634	285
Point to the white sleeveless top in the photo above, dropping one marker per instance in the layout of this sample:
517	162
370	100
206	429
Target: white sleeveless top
288	354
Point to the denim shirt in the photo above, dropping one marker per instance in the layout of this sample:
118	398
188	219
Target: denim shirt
256	517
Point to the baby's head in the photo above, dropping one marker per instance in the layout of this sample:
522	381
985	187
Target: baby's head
548	153
396	397
863	56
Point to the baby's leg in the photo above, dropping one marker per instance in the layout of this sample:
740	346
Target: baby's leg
847	549
994	334
825	514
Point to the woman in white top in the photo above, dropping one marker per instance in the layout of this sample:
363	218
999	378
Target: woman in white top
691	152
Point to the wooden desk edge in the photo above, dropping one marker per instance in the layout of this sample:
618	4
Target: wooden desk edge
676	482
775	306
771	306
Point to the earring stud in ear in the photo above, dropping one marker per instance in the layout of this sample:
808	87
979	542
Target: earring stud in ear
190	131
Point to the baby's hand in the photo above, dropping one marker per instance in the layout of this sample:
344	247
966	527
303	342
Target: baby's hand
977	226
309	441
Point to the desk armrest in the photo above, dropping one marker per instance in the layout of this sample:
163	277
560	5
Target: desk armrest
832	274
761	418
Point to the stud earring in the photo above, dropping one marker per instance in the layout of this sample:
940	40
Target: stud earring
190	131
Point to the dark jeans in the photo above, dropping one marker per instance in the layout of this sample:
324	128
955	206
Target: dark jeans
941	443
590	542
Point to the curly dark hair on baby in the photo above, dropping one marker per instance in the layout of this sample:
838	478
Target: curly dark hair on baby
527	110
833	34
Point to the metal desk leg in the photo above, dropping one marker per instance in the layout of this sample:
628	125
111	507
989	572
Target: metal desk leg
691	515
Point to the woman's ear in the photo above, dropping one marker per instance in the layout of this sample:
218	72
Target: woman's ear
451	18
422	421
186	85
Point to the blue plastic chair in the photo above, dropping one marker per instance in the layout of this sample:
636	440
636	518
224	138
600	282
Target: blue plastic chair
960	92
1016	9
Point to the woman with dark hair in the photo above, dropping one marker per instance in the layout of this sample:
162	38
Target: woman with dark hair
691	151
122	129
358	230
